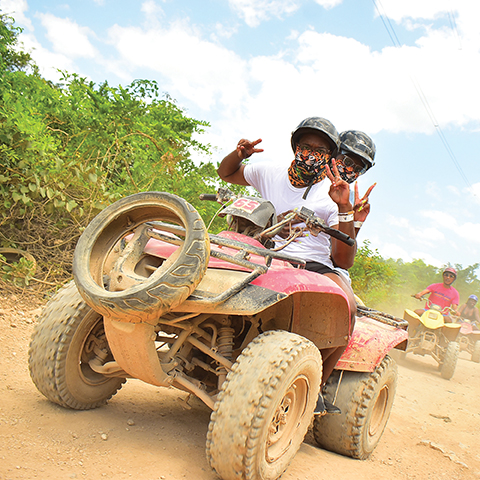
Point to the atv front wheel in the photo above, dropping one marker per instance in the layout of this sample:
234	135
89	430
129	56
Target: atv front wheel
366	400
476	352
264	407
115	274
67	337
447	368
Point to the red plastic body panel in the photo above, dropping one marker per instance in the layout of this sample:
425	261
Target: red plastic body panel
467	329
369	343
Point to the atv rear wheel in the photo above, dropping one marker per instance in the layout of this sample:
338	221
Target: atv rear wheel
366	400
476	352
264	407
68	335
449	362
115	275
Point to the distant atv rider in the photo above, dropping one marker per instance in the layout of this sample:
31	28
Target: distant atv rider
469	311
441	294
303	182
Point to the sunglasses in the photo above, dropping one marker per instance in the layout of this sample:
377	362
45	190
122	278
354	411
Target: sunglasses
350	164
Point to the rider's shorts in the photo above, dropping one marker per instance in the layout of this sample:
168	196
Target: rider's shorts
320	268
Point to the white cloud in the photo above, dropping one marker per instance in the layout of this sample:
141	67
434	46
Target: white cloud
153	13
441	218
474	191
328	3
47	61
413	9
470	232
16	9
203	72
256	11
453	189
67	37
224	31
428	258
376	89
392	250
395	251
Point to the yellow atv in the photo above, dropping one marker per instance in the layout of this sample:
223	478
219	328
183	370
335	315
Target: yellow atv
430	334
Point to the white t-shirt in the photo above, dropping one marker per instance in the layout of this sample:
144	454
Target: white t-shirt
270	179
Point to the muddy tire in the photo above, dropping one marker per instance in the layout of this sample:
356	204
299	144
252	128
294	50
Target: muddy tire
160	287
366	400
62	343
476	352
264	407
449	363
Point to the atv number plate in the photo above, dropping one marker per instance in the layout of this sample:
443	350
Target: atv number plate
246	204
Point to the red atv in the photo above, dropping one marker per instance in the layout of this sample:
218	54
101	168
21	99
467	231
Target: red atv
224	318
469	338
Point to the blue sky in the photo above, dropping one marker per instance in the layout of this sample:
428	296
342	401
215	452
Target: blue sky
256	68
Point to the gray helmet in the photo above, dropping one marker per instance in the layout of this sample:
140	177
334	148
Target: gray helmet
360	144
316	125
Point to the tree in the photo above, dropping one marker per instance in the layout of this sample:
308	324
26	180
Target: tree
11	58
68	150
374	280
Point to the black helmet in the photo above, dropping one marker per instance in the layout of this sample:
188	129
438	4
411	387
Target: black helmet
315	125
360	144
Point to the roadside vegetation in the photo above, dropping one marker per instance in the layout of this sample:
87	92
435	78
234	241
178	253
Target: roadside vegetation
69	149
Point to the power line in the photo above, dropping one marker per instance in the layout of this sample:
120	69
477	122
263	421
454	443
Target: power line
453	24
393	36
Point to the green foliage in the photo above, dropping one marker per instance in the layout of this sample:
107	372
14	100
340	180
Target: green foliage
19	273
388	284
373	279
68	150
11	58
76	143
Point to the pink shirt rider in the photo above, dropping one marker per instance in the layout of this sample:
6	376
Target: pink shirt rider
442	296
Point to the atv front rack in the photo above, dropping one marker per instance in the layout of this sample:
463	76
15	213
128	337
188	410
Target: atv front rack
240	258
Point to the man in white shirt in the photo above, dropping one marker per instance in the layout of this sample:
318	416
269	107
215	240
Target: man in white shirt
305	181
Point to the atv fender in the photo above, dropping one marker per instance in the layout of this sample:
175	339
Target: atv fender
142	361
451	330
368	345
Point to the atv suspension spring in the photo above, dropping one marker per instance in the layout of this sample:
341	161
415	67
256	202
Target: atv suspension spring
225	342
225	349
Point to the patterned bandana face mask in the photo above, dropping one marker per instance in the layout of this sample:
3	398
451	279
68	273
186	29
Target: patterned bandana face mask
348	169
308	167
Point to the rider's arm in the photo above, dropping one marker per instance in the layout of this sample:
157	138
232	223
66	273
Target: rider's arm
361	207
231	167
343	255
422	293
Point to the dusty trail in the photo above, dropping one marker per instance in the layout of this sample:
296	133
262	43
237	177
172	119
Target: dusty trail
146	433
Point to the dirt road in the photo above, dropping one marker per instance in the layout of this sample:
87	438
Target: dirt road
145	432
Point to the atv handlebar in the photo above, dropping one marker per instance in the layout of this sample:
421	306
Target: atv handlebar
313	223
212	197
318	225
343	237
